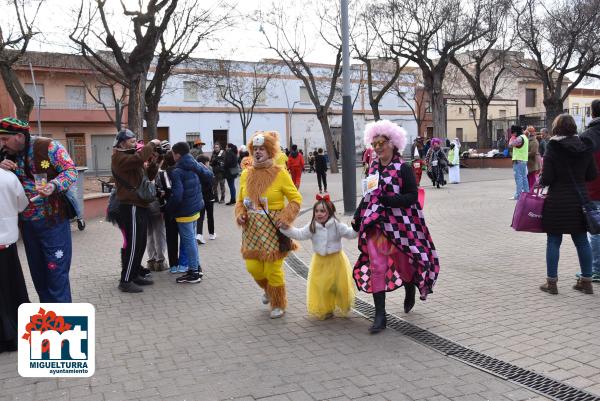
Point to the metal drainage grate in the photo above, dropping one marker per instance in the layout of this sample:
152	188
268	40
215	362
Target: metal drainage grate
536	382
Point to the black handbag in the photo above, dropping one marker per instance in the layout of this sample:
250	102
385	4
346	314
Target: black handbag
590	211
285	242
146	190
69	208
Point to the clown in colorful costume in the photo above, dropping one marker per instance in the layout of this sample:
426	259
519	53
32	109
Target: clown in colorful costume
264	187
394	242
45	228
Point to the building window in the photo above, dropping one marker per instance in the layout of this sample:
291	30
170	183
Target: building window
190	91
530	95
502	113
39	89
191	137
304	97
261	98
75	96
105	94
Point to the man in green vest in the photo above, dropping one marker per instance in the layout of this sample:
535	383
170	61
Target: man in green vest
519	143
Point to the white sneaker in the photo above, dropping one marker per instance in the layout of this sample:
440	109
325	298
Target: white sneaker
200	239
277	313
265	298
212	236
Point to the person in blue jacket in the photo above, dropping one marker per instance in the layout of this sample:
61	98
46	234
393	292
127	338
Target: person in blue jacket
185	205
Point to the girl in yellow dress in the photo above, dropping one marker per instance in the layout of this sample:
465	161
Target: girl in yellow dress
330	290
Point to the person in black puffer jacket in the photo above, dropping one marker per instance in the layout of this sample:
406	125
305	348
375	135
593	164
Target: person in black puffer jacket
568	164
185	204
208	210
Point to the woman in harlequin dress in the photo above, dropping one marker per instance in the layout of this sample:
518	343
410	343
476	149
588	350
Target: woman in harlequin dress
260	209
395	246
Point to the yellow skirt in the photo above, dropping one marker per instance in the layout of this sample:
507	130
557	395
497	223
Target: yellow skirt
330	289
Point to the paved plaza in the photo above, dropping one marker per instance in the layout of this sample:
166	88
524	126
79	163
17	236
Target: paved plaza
215	341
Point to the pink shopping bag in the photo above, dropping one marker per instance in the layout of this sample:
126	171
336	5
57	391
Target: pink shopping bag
528	212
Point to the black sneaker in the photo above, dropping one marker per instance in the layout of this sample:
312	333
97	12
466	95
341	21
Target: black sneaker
143	281
145	273
130	287
189	277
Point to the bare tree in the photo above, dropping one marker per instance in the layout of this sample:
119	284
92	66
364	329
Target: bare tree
413	96
562	39
287	38
14	39
190	26
381	67
429	33
111	96
241	87
485	67
129	68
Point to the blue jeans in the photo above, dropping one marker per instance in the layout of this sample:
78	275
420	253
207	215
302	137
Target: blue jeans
187	234
520	172
595	244
231	184
584	253
48	248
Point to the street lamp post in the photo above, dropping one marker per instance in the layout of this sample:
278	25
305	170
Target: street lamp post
348	141
291	114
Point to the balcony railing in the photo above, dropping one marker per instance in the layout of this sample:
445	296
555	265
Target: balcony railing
71	106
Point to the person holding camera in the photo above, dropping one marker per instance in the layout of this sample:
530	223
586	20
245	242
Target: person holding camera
157	241
131	178
217	162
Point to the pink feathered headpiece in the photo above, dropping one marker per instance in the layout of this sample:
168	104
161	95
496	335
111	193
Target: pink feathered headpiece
396	134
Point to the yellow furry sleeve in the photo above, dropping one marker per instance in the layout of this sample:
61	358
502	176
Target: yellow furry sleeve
290	211
240	209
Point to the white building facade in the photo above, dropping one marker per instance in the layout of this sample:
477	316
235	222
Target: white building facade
192	107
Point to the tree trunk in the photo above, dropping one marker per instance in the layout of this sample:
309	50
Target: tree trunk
482	127
375	108
152	117
432	82
118	116
22	101
554	107
244	130
324	120
137	104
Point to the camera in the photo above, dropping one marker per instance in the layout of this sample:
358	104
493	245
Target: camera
164	147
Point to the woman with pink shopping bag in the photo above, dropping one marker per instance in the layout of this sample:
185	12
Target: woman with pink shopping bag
568	164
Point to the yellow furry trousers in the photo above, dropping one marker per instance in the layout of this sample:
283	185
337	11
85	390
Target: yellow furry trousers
270	276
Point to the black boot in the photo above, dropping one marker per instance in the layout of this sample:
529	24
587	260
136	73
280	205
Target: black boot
380	320
409	298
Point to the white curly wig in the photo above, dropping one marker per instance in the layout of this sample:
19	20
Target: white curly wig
396	134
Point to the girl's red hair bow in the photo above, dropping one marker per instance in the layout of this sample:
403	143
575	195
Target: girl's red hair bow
323	197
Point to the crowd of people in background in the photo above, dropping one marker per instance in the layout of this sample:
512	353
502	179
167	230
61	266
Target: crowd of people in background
164	193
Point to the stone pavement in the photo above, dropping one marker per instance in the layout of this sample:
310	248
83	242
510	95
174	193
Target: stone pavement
215	341
487	296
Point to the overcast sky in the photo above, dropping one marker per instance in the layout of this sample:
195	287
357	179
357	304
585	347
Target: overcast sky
242	42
